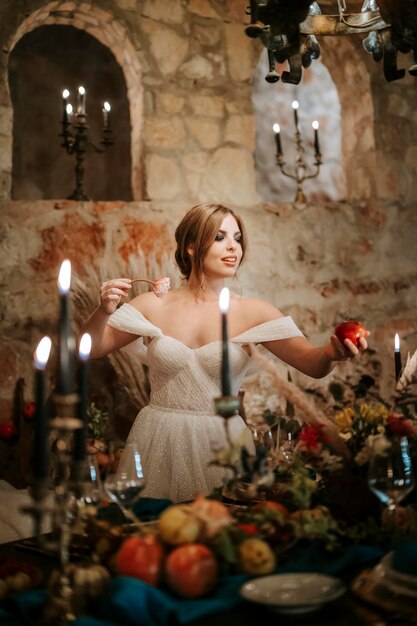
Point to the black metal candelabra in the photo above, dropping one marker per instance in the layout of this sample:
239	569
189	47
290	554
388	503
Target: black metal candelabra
300	173
75	139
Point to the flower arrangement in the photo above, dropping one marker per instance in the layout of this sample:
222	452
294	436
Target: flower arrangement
344	426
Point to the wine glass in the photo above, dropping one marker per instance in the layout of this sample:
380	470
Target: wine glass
124	483
390	474
289	429
90	487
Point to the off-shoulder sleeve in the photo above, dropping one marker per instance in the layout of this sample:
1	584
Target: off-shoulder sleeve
280	328
130	320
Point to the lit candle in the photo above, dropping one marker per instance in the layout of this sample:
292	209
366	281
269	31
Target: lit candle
277	132
397	357
65	96
315	126
66	338
69	110
106	115
81	433
40	455
81	100
295	106
225	370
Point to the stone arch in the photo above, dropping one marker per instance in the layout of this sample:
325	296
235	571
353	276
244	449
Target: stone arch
349	66
103	26
346	73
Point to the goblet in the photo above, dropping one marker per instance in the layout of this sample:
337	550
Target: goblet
125	483
390	474
288	431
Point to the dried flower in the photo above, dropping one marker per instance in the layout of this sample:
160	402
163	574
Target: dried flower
161	286
409	372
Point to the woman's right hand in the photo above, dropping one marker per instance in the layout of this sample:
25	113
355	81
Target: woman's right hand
111	292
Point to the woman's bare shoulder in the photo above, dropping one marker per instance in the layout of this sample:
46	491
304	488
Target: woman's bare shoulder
148	303
257	311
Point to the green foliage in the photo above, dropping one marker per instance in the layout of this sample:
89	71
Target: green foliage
98	422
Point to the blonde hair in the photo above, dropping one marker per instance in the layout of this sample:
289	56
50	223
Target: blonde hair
198	229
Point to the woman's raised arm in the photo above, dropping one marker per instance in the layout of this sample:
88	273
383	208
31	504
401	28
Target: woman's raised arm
106	339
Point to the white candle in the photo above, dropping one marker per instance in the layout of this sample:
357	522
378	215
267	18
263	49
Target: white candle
81	100
277	132
106	115
295	106
315	126
65	96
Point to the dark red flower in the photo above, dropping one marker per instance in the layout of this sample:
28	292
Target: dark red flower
29	410
399	425
249	529
310	437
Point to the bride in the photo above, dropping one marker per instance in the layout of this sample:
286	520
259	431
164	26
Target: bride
180	342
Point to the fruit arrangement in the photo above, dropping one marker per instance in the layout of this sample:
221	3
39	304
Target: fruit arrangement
191	545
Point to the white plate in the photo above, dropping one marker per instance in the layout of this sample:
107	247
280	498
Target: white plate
293	593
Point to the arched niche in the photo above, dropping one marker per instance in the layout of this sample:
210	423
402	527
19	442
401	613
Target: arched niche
335	90
42	63
102	26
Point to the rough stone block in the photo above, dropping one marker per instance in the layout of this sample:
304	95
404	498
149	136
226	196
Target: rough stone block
166	133
164	178
205	132
168	49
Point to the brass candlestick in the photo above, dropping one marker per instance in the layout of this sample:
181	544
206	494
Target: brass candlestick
300	172
75	138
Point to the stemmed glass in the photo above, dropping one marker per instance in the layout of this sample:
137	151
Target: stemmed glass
289	429
391	475
125	483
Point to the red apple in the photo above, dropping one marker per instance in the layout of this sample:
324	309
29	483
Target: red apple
7	430
141	557
352	329
191	570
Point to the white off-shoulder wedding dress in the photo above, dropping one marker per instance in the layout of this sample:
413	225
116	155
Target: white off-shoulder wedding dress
177	432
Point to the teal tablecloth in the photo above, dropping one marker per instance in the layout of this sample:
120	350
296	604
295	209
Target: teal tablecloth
130	602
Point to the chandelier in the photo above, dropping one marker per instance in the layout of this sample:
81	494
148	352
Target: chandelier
289	31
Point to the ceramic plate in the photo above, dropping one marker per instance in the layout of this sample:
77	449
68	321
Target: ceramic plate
293	593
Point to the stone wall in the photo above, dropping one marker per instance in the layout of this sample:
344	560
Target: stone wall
188	68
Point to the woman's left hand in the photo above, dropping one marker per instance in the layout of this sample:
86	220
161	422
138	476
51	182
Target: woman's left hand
347	350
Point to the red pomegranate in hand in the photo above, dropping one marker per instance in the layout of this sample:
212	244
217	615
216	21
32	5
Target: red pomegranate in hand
352	329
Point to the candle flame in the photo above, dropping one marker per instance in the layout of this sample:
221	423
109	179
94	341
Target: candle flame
65	94
315	125
64	278
107	106
42	353
397	342
295	104
85	347
224	300
276	128
69	109
81	90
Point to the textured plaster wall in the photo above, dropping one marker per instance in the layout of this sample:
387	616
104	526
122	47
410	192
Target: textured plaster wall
188	68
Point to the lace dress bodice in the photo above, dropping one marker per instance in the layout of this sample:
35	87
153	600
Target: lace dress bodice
178	429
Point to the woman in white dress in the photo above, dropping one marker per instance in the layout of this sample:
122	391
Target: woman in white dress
180	338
